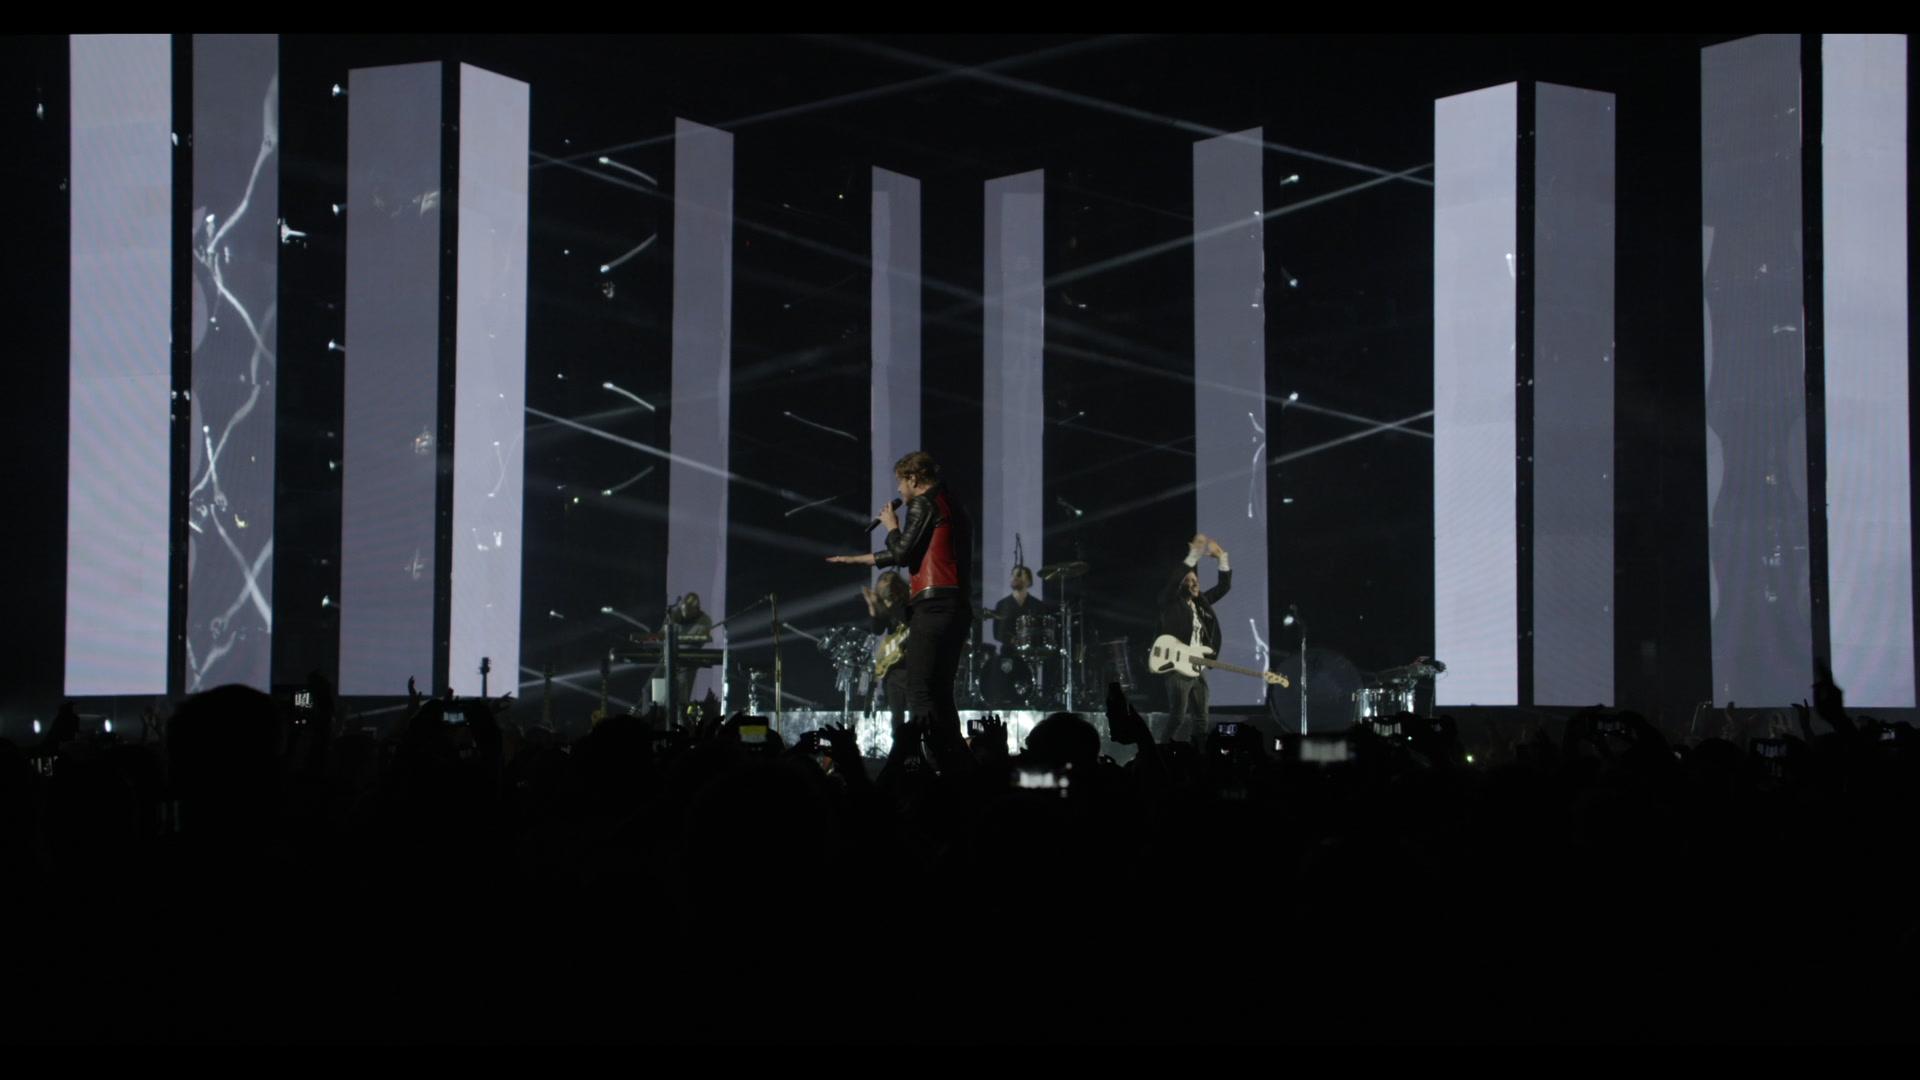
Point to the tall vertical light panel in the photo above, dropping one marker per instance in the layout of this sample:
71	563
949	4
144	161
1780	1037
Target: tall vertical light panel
896	325
1757	523
1572	377
1475	515
1014	400
1230	390
702	367
119	334
409	334
1864	229
390	460
235	334
1523	395
490	381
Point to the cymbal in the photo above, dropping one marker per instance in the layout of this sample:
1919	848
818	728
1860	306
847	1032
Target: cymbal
1064	570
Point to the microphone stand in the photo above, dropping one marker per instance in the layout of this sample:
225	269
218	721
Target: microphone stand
727	648
774	599
1294	620
670	655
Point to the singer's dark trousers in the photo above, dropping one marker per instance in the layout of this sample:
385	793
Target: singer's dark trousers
934	650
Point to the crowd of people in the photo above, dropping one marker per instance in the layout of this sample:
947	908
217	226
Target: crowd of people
264	873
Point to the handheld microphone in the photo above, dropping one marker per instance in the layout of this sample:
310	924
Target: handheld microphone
875	523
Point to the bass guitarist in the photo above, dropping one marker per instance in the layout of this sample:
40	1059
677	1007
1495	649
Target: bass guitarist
1187	615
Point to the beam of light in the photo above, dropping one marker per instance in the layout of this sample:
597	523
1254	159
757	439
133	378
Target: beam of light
1182	375
655	512
540	159
1370	422
645	448
856	96
1009	82
811	505
821	427
1292	400
630	396
1392	425
609	267
620	413
1134	440
623	167
761	620
970	301
626	618
581	682
1114	510
967	301
1103	465
1177	490
814	294
629	481
1067	277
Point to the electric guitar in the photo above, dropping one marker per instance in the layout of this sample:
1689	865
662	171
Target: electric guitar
892	648
1170	655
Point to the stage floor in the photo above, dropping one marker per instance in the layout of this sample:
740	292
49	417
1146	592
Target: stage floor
875	732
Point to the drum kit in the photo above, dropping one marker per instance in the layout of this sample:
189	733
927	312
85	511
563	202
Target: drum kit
849	648
1389	693
1047	651
1047	667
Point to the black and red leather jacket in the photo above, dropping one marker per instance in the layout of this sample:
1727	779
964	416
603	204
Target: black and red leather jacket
935	544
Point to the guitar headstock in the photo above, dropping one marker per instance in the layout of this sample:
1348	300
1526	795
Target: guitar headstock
1274	678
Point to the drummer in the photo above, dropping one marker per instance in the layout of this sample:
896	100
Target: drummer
1020	602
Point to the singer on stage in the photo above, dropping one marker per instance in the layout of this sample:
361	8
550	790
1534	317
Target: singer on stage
936	548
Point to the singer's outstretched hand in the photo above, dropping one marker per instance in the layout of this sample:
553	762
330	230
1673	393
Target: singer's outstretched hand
853	560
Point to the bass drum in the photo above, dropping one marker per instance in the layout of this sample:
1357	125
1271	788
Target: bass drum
975	676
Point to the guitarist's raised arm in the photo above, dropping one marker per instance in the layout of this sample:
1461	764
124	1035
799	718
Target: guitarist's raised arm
1195	548
1215	594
